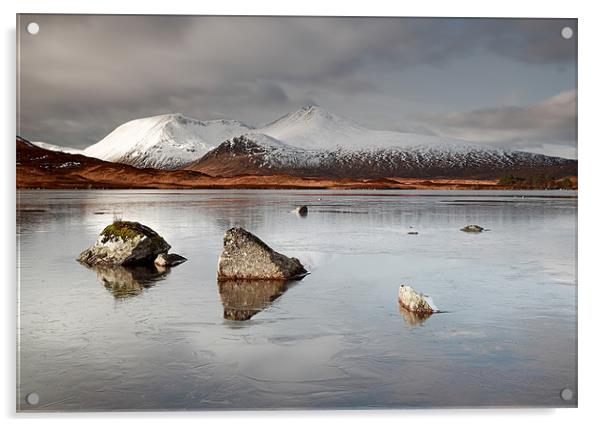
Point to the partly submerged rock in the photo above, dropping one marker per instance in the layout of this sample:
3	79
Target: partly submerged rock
301	210
413	301
124	243
169	260
245	256
472	229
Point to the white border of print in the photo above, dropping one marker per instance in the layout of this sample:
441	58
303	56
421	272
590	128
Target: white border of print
589	182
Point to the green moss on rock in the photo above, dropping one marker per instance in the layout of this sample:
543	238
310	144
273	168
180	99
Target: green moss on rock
125	243
126	230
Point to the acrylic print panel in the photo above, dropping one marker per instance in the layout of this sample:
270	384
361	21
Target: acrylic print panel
295	212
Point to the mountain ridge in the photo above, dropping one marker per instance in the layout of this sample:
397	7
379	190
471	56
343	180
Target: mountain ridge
308	142
314	142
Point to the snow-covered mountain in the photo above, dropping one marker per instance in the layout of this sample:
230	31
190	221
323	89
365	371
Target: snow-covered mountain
314	128
164	142
308	142
313	142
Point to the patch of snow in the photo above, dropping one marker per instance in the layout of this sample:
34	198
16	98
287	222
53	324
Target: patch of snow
69	165
58	148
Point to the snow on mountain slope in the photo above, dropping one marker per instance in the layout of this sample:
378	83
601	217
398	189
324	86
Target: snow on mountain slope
59	148
262	155
313	142
314	128
164	142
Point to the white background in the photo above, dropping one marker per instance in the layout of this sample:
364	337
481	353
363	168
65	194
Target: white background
590	212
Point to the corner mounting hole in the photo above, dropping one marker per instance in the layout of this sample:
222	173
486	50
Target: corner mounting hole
566	394
33	28
32	398
567	33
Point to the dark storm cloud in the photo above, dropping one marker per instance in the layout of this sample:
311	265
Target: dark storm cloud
81	76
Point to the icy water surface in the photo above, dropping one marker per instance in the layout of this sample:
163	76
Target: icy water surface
119	339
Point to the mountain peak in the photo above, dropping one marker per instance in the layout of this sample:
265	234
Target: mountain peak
313	110
309	114
165	141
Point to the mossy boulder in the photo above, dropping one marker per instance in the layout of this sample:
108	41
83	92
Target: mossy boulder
125	243
245	256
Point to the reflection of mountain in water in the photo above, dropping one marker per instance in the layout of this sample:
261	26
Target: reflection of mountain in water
412	318
242	299
124	282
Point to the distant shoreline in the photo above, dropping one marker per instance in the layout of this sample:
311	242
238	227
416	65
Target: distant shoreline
38	168
272	182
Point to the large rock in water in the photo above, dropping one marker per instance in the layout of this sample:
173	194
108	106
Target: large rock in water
245	256
124	243
413	301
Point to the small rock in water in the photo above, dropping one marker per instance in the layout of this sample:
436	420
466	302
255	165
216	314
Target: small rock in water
413	301
472	229
125	243
301	210
245	256
169	260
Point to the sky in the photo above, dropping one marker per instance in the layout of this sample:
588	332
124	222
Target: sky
509	83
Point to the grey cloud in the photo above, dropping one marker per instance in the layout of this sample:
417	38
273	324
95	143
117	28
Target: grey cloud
551	122
82	75
531	41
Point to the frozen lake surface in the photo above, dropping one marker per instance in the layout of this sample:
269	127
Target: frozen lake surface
94	340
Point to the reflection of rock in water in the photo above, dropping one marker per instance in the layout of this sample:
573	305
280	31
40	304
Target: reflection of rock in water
242	299
412	318
125	282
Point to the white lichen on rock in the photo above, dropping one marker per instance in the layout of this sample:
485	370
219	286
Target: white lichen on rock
415	302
